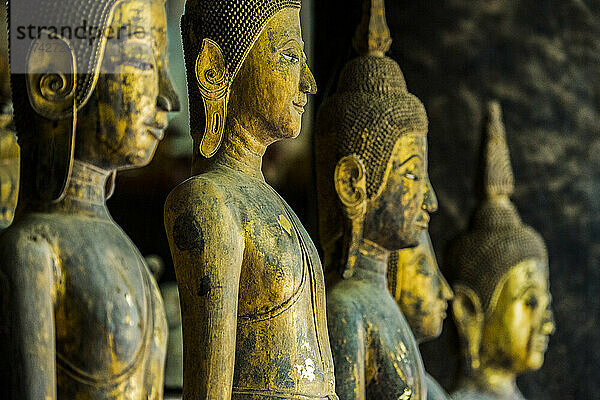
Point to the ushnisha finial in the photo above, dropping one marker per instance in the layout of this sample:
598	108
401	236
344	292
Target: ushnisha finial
498	180
372	36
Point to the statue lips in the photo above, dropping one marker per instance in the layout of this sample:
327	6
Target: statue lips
157	127
423	220
299	107
443	306
539	343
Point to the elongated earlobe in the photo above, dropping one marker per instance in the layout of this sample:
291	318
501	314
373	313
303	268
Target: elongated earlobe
351	188
468	317
51	88
213	81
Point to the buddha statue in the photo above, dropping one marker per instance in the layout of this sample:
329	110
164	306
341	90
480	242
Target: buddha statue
83	317
9	149
421	291
500	279
374	197
9	165
250	280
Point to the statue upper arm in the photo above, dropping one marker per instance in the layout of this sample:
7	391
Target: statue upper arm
207	245
27	309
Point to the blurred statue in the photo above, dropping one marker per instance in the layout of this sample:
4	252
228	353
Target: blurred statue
9	149
82	313
250	279
374	197
9	164
174	362
502	299
421	291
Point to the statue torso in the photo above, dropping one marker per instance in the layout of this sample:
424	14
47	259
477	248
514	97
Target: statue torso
110	327
282	344
363	308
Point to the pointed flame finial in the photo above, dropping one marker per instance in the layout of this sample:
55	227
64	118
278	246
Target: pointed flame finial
373	35
498	180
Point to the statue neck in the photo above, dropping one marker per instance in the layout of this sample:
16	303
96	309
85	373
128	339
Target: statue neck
85	194
241	151
372	262
497	382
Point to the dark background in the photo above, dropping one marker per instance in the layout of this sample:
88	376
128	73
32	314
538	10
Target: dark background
541	59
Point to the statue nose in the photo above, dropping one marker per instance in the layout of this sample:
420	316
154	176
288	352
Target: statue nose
307	81
167	99
548	325
430	201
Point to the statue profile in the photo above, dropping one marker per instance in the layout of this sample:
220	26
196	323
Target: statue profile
374	197
84	318
9	149
250	280
9	166
500	280
422	292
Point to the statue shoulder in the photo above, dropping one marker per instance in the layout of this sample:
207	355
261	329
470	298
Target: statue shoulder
27	254
201	216
199	193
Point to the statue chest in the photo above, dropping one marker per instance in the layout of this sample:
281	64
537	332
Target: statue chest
273	269
105	307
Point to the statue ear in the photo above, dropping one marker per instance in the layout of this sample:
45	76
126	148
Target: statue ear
351	185
351	188
213	81
468	317
50	78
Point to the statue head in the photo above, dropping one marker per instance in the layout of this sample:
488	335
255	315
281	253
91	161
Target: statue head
246	65
90	83
371	152
500	272
419	288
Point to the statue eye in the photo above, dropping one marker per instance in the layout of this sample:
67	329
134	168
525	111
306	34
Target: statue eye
410	175
146	66
141	65
532	302
290	57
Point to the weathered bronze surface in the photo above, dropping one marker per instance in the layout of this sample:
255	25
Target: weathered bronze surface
9	167
250	280
421	291
83	317
9	149
374	198
502	305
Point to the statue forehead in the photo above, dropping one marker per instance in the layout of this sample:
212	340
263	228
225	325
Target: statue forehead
530	273
144	20
411	257
409	145
284	25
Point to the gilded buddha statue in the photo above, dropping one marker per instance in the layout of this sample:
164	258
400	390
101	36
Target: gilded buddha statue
421	291
9	164
250	280
374	197
9	149
83	316
502	299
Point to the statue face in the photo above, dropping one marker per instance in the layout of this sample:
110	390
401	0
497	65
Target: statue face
396	217
129	106
271	89
515	334
424	291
